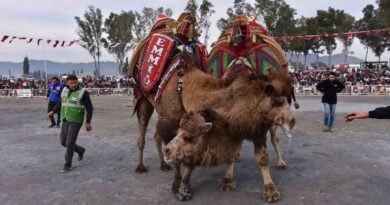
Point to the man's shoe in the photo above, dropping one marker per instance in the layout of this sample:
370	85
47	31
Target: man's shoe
331	129
81	155
326	128
52	125
66	169
58	125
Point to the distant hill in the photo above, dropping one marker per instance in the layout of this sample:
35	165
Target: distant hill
110	67
107	67
336	59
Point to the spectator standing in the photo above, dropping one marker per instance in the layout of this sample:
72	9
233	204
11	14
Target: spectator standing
54	95
75	100
330	87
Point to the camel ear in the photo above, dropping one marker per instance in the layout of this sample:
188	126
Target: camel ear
207	127
269	89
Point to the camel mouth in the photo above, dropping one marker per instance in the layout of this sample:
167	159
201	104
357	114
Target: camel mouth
168	160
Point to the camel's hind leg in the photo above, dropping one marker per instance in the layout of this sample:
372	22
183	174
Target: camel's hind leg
144	111
281	164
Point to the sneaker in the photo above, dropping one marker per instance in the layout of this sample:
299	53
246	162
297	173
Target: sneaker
331	129
66	169
52	125
81	155
326	128
58	125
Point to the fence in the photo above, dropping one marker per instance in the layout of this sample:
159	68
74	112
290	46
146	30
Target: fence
349	90
91	91
299	90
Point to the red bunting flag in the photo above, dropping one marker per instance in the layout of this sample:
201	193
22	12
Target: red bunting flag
63	43
29	41
13	39
56	43
376	33
5	38
39	40
48	41
71	43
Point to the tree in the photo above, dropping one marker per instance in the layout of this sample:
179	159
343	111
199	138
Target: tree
26	66
192	8
120	38
384	12
346	40
203	14
377	42
239	7
82	71
145	20
315	45
126	67
90	33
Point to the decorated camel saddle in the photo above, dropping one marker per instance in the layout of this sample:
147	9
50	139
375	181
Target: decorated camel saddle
159	53
245	47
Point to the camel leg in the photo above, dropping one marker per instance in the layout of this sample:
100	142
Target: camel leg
237	157
281	164
177	181
184	192
144	112
228	183
270	192
163	165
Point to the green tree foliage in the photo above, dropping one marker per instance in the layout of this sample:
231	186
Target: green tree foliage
120	38
203	14
145	20
26	66
239	7
90	33
371	21
384	12
346	26
126	66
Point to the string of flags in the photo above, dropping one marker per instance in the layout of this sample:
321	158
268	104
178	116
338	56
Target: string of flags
53	43
348	35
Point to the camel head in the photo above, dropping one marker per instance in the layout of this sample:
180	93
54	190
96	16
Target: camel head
188	140
286	120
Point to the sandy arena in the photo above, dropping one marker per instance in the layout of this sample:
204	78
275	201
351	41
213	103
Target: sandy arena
349	166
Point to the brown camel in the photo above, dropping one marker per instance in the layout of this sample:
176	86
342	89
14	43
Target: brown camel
246	104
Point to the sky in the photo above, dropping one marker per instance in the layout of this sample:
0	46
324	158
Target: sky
54	20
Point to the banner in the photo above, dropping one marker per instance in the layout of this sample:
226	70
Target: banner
23	93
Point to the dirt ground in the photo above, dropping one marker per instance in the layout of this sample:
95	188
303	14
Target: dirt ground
349	166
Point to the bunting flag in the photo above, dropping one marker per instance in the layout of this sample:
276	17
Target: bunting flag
54	43
349	35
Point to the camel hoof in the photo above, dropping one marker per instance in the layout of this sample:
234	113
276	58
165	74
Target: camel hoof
281	165
140	169
270	193
183	193
175	187
227	184
165	167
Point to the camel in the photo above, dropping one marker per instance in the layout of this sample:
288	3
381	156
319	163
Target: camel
203	139
245	102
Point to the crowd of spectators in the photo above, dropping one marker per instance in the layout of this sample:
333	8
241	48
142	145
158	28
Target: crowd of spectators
349	76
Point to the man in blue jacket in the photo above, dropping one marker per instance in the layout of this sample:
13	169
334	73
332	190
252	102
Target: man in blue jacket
54	95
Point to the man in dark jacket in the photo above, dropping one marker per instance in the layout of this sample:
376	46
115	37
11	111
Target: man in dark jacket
378	113
54	95
330	87
75	100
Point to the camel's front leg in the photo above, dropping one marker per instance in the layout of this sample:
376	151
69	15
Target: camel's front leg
281	164
163	165
228	183
270	192
184	191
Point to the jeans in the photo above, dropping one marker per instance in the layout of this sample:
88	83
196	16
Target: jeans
50	107
330	110
68	137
